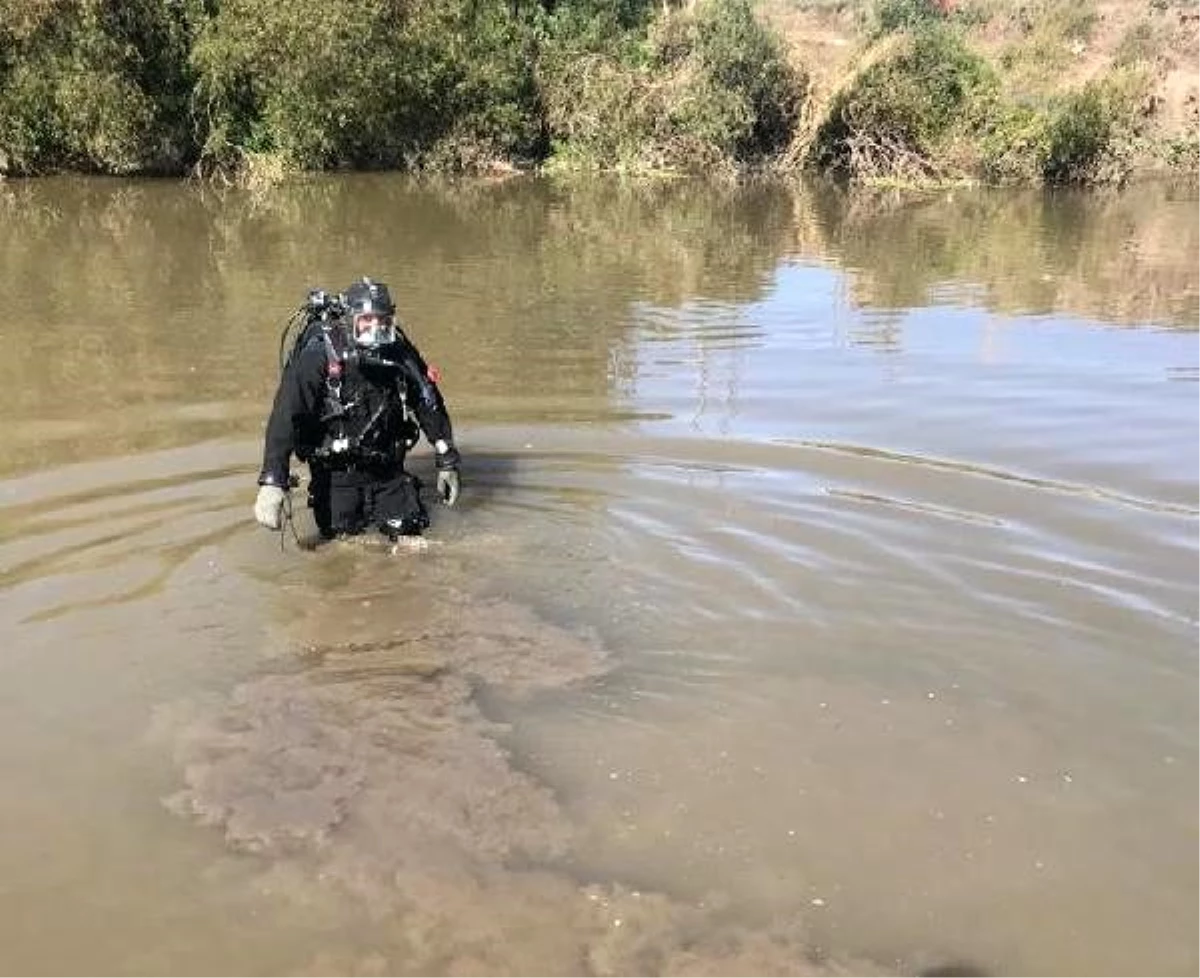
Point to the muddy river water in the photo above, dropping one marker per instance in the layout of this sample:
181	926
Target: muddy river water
822	597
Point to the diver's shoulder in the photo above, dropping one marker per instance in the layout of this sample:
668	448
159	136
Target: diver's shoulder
311	360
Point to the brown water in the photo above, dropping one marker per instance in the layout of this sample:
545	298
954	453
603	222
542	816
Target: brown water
823	596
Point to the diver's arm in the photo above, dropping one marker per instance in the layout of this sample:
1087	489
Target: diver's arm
297	406
426	401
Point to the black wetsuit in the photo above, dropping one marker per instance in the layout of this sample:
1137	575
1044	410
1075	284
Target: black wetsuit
353	418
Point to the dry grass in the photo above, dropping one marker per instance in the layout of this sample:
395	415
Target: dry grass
1042	46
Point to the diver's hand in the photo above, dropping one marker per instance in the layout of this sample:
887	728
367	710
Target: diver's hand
447	461
268	507
448	486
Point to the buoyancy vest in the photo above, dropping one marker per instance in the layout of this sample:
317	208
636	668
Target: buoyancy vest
365	415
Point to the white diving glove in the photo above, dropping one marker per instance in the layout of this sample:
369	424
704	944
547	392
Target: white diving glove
448	486
268	507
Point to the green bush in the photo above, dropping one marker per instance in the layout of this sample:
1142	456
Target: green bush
609	26
743	66
1012	141
710	87
1079	130
1080	137
895	117
263	87
890	16
94	85
328	83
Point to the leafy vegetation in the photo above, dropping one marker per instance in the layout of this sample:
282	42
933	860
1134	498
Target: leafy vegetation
899	114
256	89
701	89
924	105
256	86
94	85
890	16
364	84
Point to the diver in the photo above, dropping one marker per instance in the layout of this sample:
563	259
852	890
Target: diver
353	396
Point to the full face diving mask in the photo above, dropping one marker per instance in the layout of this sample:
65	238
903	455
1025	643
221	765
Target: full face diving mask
372	329
371	313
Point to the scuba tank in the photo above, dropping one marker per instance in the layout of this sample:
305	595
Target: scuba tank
313	319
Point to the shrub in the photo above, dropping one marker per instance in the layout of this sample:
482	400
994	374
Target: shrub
364	83
913	95
595	25
1083	136
1079	132
93	85
890	16
709	87
752	93
1012	141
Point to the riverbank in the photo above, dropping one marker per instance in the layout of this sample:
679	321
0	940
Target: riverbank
874	91
996	91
